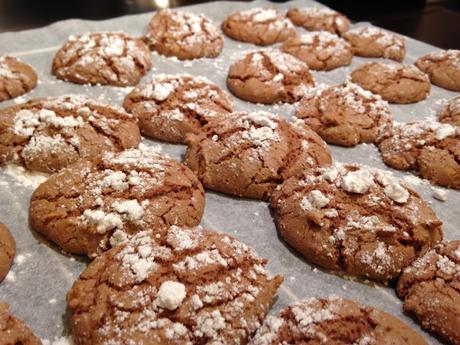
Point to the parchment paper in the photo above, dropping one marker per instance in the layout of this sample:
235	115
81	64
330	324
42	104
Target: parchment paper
42	275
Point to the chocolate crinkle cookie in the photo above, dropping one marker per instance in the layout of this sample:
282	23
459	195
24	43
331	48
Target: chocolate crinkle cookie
344	114
249	154
16	78
169	106
334	321
106	58
355	219
319	19
183	35
430	289
428	147
13	331
261	26
268	77
190	286
369	41
7	251
90	207
395	82
321	50
51	133
443	67
450	112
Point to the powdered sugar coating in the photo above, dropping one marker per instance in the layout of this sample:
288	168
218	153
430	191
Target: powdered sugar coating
212	303
112	58
53	133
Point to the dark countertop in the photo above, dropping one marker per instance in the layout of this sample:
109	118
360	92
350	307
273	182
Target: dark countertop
432	21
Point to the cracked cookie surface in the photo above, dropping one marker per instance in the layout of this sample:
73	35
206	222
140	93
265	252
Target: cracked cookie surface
430	289
450	112
7	251
90	207
428	147
106	58
16	78
249	154
319	19
51	133
320	50
443	68
268	77
190	286
184	35
169	107
355	219
369	41
334	321
261	26
14	331
344	114
396	83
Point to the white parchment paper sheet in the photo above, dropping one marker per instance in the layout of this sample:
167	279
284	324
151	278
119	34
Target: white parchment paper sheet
42	275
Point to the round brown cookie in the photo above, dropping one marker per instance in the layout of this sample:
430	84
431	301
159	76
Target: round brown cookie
269	77
16	78
334	321
319	19
52	133
190	286
443	67
355	219
369	41
430	289
261	26
169	107
89	207
429	147
450	112
321	50
7	251
107	58
184	35
344	114
249	154
14	331
396	83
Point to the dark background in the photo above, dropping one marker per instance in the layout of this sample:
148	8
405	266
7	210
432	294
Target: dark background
433	21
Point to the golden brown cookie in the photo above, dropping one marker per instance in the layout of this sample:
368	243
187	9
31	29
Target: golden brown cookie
396	83
170	106
443	67
190	286
107	58
249	154
14	331
334	321
261	26
51	133
369	41
321	50
344	114
184	35
319	19
269	76
90	207
355	219
450	112
428	147
16	78
7	251
430	289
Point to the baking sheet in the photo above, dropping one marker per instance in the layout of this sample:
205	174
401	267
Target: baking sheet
42	275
